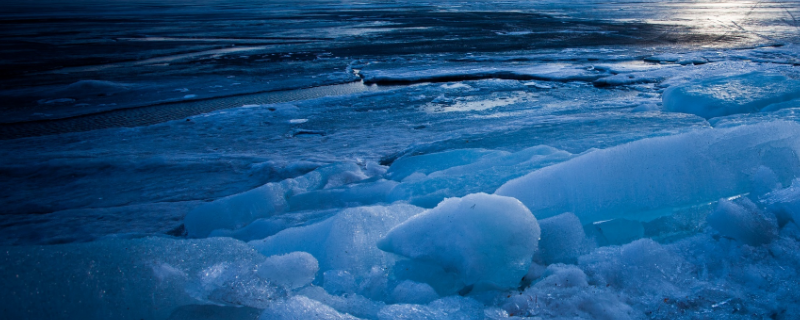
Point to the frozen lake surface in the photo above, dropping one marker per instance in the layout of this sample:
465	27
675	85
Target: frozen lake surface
400	160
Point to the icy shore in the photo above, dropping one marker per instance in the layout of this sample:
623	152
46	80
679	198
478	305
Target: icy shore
507	170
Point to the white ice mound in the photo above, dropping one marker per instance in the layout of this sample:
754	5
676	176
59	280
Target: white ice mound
634	180
724	96
292	270
484	239
345	241
744	221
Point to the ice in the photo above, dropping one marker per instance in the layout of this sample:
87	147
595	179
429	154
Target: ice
764	180
564	292
616	231
413	293
562	239
429	163
691	58
211	312
351	303
637	77
444	282
89	224
782	105
634	180
345	241
57	101
258	229
339	282
300	307
449	308
484	239
293	270
412	73
347	196
645	279
229	284
643	267
460	172
784	203
620	208
723	96
477	103
95	88
148	278
236	211
682	279
742	220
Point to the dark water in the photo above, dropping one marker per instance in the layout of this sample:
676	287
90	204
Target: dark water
58	42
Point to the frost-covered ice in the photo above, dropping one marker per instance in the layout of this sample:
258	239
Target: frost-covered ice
400	160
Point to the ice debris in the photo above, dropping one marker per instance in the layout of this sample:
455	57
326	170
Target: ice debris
448	308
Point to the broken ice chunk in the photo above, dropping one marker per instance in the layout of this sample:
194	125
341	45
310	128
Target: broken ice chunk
562	240
345	241
636	180
484	239
293	270
744	221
